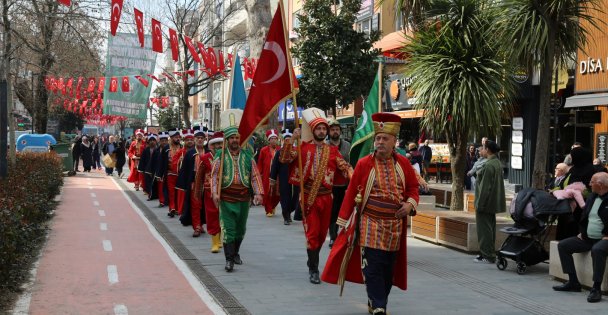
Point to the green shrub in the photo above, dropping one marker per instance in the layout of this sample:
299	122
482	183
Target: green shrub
26	205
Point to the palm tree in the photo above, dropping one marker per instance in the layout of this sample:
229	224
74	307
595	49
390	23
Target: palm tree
545	34
460	77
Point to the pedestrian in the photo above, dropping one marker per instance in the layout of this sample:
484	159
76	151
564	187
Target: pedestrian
76	153
279	179
267	153
159	169
96	150
340	182
320	163
371	247
239	177
110	148
489	200
471	158
182	199
593	237
121	159
427	155
193	206
598	166
568	158
86	153
478	165
146	167
559	178
170	168
136	148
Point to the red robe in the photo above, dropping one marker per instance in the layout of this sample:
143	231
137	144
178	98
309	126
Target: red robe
264	163
134	151
338	251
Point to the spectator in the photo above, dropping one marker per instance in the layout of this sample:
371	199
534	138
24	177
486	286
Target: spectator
593	237
416	156
121	159
86	152
477	151
561	172
598	166
478	165
76	153
471	158
489	200
95	148
109	148
568	158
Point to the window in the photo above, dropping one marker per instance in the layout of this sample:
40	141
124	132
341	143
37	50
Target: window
295	20
364	26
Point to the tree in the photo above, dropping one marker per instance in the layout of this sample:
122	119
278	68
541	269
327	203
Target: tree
411	12
136	124
461	79
258	22
337	62
167	118
68	121
545	34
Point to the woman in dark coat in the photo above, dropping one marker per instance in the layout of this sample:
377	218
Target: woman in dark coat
471	159
95	145
581	171
86	151
121	159
76	153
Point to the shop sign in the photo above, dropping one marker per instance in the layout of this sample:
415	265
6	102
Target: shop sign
591	65
518	123
367	9
517	136
517	149
517	163
520	75
602	147
398	92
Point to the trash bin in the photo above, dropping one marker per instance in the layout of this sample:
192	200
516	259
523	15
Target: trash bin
63	150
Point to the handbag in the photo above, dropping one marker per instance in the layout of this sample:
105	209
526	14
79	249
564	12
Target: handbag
108	161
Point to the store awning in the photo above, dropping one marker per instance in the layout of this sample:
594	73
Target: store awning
410	113
587	100
346	120
392	41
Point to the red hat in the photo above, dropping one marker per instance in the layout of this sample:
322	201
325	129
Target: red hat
386	123
139	132
187	133
271	133
218	136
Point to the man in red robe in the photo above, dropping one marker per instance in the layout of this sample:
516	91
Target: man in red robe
173	159
178	159
136	149
212	213
320	162
264	165
371	244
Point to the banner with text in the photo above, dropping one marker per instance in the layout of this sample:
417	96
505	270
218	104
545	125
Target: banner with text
126	58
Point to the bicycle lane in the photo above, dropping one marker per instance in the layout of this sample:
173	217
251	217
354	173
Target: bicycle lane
103	257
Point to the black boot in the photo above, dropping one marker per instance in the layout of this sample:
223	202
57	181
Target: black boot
229	249
313	265
237	257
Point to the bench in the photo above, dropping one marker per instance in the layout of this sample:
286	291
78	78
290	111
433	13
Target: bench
454	229
584	269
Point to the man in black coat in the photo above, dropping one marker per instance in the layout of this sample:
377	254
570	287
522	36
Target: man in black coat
289	194
593	237
147	166
160	168
193	208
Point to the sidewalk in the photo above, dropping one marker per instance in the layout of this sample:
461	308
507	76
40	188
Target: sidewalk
102	258
274	276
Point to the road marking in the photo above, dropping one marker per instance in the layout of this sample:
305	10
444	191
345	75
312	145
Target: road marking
112	274
101	213
93	195
107	245
96	203
103	226
180	264
120	309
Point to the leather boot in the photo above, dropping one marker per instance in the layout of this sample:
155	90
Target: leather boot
237	257
215	243
229	253
313	265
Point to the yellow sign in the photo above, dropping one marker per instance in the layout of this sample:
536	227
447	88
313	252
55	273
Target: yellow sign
562	79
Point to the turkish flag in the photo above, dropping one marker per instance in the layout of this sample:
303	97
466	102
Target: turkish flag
157	37
139	22
101	84
67	3
248	69
113	84
61	86
212	61
230	60
91	86
272	84
154	78
143	80
165	102
115	18
222	65
125	84
47	83
168	76
174	44
192	49
68	87
191	73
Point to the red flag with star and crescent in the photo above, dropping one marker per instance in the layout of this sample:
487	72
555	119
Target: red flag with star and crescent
115	18
174	44
192	49
126	86
113	85
157	37
271	83
139	22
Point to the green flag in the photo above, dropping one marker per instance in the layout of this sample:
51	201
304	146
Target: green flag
363	140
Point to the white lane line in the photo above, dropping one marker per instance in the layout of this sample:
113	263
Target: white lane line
101	213
112	274
93	195
120	309
107	245
103	226
96	203
198	287
90	188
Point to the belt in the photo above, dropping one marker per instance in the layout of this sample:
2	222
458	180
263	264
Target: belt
381	209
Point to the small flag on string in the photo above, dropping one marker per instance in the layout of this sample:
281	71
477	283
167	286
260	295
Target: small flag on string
115	17
174	44
139	22
143	80
125	84
157	37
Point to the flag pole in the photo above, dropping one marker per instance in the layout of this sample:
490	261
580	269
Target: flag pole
224	147
295	115
380	63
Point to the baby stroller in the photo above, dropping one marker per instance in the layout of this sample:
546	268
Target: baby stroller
533	211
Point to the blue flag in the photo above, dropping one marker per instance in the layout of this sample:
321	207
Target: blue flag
238	97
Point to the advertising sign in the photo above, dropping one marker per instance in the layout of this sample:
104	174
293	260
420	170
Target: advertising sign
126	58
290	112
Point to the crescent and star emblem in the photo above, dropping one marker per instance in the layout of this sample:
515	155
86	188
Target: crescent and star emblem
116	6
276	49
157	30
364	121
